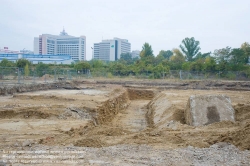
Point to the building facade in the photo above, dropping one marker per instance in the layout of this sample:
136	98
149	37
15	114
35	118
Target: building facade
62	44
111	50
135	54
35	59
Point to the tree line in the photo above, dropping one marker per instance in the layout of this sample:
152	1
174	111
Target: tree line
187	57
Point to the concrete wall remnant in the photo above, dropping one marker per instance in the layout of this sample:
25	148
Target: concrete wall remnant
207	109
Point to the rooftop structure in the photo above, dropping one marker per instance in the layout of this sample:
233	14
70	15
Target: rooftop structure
62	44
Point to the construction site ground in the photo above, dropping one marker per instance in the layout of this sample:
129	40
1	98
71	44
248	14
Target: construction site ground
111	124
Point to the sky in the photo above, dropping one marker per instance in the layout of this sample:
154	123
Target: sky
162	23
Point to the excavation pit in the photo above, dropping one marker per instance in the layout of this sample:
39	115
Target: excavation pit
111	115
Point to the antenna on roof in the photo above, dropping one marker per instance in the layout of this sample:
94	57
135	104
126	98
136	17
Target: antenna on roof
63	33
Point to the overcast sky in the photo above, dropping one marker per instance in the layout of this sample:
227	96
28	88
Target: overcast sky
161	23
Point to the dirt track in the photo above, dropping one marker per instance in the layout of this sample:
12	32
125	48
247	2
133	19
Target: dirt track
113	117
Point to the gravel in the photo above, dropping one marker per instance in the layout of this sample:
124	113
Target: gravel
126	155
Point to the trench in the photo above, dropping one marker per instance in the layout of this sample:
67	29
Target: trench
127	110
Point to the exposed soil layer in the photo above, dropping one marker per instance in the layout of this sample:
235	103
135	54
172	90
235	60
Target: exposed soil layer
111	115
142	94
171	84
160	84
160	123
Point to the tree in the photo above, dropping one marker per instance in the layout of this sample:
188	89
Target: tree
166	54
159	59
41	69
197	65
95	63
26	70
190	48
117	68
21	63
222	55
246	48
177	57
146	51
186	66
237	56
6	63
82	65
210	64
160	70
126	56
202	56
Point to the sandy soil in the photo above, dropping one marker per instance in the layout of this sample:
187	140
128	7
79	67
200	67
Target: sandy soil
55	119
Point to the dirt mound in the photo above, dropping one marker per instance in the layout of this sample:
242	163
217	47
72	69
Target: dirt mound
239	137
237	133
161	112
90	142
110	108
242	112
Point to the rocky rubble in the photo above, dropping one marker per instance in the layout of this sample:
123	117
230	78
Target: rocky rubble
126	155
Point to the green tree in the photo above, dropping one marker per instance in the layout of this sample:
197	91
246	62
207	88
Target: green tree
202	55
96	64
166	54
186	66
197	65
82	65
41	69
6	63
159	70
118	68
246	48
222	55
190	48
210	64
26	70
177	57
21	63
238	56
159	59
126	58
146	51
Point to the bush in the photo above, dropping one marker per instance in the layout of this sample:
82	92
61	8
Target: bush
110	75
231	76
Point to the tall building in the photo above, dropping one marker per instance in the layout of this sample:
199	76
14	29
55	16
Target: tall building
111	50
62	44
135	54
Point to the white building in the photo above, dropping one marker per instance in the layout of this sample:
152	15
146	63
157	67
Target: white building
35	59
111	50
62	44
135	53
